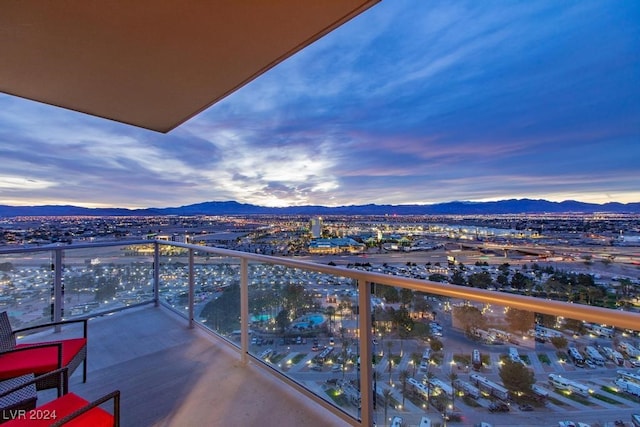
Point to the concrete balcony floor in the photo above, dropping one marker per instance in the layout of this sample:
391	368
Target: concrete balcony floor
170	375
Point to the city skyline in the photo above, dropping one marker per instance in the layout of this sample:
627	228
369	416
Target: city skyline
408	103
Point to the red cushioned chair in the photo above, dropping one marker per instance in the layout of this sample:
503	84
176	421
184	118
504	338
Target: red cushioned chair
39	358
68	410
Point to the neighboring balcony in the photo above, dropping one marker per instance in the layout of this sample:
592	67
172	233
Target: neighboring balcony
201	336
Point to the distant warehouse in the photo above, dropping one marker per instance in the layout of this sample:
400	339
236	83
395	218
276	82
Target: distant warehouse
335	246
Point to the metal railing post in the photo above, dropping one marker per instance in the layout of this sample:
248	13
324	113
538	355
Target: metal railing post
191	289
244	308
364	324
156	274
58	294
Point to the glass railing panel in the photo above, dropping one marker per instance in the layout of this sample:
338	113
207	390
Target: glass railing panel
216	288
305	325
26	287
173	277
405	350
465	362
217	294
106	278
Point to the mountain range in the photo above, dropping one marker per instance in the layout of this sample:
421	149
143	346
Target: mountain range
512	206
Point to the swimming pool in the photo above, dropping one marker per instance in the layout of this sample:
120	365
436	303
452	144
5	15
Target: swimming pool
260	317
310	321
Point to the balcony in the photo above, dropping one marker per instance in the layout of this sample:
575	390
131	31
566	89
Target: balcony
170	375
157	334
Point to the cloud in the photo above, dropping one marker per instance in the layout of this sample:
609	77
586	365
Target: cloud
412	102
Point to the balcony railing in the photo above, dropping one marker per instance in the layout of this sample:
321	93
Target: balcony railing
441	352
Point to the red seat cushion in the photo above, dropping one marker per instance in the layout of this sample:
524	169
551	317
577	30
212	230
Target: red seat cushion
53	411
38	360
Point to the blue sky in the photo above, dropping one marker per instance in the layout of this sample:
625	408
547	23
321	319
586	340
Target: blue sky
411	102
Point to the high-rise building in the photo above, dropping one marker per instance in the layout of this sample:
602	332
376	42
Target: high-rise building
316	227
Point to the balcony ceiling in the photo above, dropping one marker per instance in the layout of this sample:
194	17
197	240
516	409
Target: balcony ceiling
149	63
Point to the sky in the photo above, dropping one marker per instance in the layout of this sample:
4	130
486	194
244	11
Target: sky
412	102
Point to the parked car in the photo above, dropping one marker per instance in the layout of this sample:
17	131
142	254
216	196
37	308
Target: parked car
526	407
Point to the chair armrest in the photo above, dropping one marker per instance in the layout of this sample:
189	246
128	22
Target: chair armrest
115	395
61	371
49	325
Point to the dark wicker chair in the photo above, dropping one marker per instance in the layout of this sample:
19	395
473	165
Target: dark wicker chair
39	358
16	395
69	409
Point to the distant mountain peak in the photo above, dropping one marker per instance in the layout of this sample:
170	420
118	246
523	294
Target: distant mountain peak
511	206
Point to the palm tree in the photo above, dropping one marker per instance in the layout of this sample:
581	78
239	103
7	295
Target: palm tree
429	376
390	357
386	400
453	377
404	375
331	312
415	359
345	344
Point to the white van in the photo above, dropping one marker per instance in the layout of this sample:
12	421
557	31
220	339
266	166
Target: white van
396	422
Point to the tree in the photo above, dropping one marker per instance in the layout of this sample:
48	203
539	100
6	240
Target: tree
406	296
469	317
503	279
415	359
520	281
345	344
294	297
452	379
421	305
429	376
516	377
480	280
575	325
457	278
546	320
389	293
404	375
519	320
331	312
437	277
436	344
559	342
222	314
556	285
594	294
404	323
386	400
390	357
504	268
282	320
